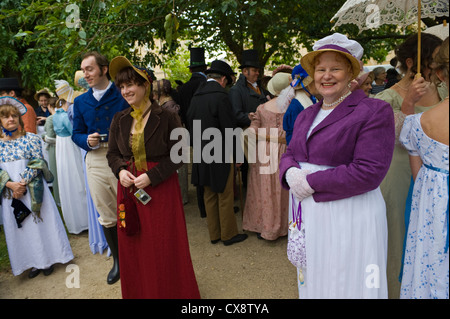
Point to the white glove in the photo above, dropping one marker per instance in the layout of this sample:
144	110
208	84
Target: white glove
296	179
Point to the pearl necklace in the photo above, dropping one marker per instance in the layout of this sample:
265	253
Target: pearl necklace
339	100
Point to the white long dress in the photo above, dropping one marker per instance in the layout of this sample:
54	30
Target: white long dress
426	264
346	244
72	188
37	244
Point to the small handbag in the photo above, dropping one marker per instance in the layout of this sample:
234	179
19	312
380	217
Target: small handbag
20	211
127	214
296	248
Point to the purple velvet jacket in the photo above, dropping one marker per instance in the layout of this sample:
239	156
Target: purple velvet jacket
357	139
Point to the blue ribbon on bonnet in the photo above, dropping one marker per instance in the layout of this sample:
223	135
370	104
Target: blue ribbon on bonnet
299	74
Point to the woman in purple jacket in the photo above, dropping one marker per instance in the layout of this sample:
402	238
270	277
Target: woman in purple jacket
339	153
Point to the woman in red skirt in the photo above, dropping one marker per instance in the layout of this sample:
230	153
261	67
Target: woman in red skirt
154	256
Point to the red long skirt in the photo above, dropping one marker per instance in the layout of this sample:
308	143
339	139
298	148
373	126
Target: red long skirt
156	262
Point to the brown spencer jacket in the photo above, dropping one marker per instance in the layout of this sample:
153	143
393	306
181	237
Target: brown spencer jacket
157	142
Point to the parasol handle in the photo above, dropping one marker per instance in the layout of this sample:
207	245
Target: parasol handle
419	40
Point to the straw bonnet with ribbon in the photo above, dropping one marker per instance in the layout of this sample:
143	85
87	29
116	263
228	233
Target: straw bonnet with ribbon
339	43
80	81
65	91
299	80
138	145
8	100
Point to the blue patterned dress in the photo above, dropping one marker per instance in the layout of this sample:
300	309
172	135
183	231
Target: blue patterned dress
426	265
39	243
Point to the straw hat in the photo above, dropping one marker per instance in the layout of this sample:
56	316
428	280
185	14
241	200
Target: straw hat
120	62
8	100
65	91
339	43
278	83
80	81
43	91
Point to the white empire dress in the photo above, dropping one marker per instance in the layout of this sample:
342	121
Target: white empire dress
346	243
37	244
426	264
72	188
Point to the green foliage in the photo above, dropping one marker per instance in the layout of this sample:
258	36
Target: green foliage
44	40
175	66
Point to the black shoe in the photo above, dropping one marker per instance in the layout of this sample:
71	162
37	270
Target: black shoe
48	271
114	274
33	273
215	241
236	239
111	239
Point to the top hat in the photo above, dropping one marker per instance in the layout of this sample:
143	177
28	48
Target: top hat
8	84
338	43
197	57
222	68
249	59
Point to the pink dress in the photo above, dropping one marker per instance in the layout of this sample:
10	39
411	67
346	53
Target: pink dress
267	203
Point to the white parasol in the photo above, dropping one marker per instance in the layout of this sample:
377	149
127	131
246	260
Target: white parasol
440	30
370	14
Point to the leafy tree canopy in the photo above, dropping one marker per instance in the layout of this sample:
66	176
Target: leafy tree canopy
44	40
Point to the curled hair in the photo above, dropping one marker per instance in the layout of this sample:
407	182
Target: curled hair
162	88
60	103
408	50
6	110
441	62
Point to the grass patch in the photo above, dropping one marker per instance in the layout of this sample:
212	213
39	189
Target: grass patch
4	258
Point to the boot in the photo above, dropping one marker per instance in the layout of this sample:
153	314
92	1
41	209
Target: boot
111	239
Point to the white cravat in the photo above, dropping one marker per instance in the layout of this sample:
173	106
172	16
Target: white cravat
255	85
98	94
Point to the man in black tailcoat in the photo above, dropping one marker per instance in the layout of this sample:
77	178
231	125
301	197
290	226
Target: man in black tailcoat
213	168
197	67
246	95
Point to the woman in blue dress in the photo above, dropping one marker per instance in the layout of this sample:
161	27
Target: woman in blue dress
426	137
35	235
